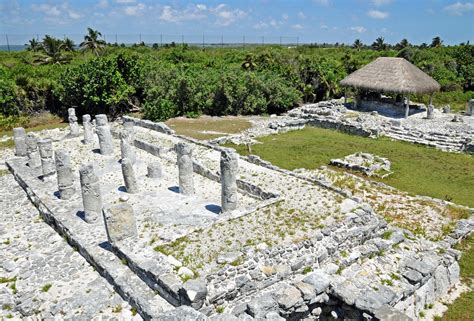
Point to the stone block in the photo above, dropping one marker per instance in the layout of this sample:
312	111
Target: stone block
19	137
194	292
259	307
119	222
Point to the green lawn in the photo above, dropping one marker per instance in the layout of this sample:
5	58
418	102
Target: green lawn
417	169
463	307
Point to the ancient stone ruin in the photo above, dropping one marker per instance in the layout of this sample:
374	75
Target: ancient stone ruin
370	165
184	229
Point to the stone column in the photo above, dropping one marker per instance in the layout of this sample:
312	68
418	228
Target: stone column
47	161
105	137
129	176
470	107
185	168
91	196
19	137
406	103
430	112
229	169
128	126
88	129
64	174
154	170
73	126
127	150
34	160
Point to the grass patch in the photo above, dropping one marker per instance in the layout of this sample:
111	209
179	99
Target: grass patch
417	169
463	307
46	287
198	127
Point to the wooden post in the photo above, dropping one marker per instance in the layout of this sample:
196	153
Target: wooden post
406	102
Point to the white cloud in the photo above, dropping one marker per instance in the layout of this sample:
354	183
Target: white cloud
321	2
301	15
73	14
285	16
103	4
324	27
260	25
459	8
376	14
125	1
273	23
297	26
47	9
358	29
226	16
135	10
379	3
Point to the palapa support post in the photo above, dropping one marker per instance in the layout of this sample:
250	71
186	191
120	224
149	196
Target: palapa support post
406	102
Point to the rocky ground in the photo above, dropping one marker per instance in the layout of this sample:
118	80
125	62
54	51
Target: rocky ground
41	276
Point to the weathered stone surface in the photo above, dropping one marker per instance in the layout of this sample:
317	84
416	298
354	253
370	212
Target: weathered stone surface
104	134
369	300
119	222
185	167
88	129
182	313
64	175
229	169
228	257
470	107
370	165
307	291
129	128
19	137
185	272
195	292
346	291
430	112
224	317
319	280
73	126
129	176
386	312
290	297
91	196
127	149
154	170
441	281
454	271
34	159
413	276
259	307
420	266
45	147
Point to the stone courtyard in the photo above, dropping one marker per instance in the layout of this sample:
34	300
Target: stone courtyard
128	220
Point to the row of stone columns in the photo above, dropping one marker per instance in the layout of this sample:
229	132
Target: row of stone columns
40	153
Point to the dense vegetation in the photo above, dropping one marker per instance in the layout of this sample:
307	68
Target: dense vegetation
180	80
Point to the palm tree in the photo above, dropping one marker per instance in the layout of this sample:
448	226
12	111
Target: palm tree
33	45
92	41
357	45
436	42
379	44
402	44
51	52
68	44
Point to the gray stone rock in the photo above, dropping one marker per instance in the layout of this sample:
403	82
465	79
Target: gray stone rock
88	129
229	169
346	291
127	150
182	313
185	168
274	316
47	161
386	312
290	297
259	307
91	196
224	317
154	170
369	300
73	126
441	281
19	137
319	280
119	222
412	276
64	175
241	280
195	292
454	271
129	176
420	266
228	257
430	112
34	159
104	134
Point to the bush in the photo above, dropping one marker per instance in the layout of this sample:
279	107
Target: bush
8	104
104	85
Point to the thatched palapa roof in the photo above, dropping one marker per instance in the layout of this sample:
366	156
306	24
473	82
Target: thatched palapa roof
391	75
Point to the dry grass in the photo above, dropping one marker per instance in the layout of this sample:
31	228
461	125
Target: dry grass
206	127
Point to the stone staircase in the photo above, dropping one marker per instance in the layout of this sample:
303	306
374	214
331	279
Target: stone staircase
453	143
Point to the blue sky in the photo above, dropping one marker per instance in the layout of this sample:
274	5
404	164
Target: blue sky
311	20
